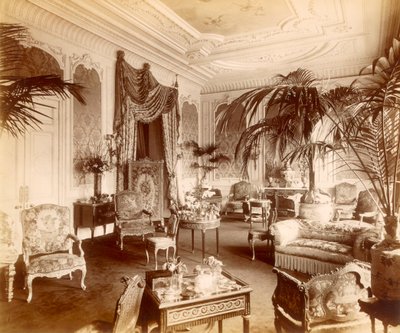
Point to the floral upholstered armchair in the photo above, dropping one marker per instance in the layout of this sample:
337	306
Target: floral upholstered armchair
345	200
239	192
133	217
48	243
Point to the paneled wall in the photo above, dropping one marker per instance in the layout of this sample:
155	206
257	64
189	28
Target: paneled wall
81	56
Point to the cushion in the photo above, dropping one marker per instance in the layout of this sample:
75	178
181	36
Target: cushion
342	232
241	191
54	262
346	193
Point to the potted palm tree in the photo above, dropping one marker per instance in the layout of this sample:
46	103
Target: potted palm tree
290	127
210	158
21	94
368	143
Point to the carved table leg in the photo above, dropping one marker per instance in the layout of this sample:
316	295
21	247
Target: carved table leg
203	236
217	239
192	241
219	326
246	324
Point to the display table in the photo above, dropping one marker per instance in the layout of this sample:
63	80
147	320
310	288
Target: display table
282	201
202	225
388	312
177	309
90	215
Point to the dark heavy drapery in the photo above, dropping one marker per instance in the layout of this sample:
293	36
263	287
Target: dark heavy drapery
140	98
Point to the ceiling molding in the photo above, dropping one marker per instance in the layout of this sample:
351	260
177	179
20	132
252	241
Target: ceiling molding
328	36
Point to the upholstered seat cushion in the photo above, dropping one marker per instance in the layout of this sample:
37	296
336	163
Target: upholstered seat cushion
137	228
54	262
161	242
318	249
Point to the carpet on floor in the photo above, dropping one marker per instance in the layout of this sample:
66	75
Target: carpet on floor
60	306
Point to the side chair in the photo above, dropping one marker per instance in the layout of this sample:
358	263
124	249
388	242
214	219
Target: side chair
261	212
48	244
165	242
126	312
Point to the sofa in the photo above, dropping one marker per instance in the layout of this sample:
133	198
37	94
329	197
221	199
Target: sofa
313	247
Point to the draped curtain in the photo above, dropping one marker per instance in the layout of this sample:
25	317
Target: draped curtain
140	98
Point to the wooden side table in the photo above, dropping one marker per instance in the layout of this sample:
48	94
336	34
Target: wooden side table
388	312
202	225
90	215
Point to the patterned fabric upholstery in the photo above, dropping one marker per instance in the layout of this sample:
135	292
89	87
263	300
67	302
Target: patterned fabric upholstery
313	247
10	248
132	218
239	193
324	303
47	244
345	200
164	242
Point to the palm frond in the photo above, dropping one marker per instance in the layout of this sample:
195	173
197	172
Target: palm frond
19	95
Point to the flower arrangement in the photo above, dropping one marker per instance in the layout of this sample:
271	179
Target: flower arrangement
197	207
93	159
175	266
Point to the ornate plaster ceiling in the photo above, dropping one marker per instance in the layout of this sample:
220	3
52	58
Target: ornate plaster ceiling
237	44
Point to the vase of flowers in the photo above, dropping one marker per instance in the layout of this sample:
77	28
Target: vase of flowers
177	268
94	159
197	207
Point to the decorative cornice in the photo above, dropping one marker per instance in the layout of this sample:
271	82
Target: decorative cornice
87	62
54	51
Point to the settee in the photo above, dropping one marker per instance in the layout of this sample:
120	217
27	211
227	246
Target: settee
313	247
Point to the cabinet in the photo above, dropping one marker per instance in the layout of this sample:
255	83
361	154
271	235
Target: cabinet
284	199
91	215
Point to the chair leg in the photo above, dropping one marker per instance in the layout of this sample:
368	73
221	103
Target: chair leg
29	285
155	256
83	275
121	242
174	247
10	273
251	244
147	253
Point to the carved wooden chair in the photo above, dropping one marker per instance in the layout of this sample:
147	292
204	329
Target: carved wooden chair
345	200
260	212
127	310
239	193
10	248
48	243
131	216
323	303
166	242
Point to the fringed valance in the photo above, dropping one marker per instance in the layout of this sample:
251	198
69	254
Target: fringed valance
140	98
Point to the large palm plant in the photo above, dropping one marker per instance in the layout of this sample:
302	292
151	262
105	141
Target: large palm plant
368	133
290	124
20	95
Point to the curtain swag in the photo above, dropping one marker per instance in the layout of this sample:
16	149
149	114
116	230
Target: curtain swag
140	98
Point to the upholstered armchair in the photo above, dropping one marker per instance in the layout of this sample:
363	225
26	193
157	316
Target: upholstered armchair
48	244
366	208
345	200
10	249
131	216
239	192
